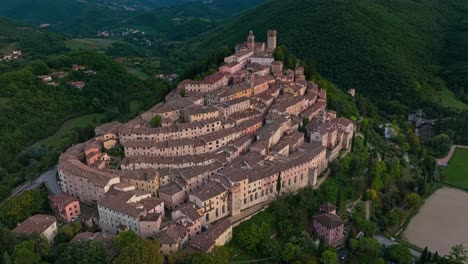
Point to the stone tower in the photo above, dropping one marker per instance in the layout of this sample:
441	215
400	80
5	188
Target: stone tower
271	44
251	41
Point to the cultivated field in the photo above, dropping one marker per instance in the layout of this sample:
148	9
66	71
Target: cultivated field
457	170
89	43
441	221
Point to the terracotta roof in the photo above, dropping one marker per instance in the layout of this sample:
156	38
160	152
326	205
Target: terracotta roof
172	235
189	211
210	190
206	241
328	220
34	224
62	199
327	207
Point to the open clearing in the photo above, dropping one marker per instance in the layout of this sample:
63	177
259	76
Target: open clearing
441	222
457	171
449	99
56	139
89	43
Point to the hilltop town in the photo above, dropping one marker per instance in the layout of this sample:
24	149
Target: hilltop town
214	153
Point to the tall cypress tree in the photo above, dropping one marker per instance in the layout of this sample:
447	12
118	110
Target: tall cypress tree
278	184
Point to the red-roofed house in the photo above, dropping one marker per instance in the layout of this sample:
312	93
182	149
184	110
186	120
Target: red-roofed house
66	207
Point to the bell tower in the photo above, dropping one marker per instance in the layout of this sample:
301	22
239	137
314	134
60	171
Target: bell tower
251	41
271	44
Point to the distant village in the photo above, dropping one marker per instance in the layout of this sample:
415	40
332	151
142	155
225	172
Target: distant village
14	55
53	78
214	153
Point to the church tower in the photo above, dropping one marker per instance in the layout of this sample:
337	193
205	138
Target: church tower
271	44
251	41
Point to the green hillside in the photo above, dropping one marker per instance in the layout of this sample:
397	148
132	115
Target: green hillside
392	51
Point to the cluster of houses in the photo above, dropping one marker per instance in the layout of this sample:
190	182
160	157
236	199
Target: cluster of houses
53	78
14	55
224	144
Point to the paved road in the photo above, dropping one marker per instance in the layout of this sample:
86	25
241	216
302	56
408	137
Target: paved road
49	178
388	242
444	161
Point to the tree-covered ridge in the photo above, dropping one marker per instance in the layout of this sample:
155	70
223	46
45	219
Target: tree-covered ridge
389	50
32	110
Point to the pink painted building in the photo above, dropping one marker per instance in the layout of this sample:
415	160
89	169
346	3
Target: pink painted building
328	226
66	207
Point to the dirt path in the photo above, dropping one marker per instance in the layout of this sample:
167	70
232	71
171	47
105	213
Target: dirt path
444	161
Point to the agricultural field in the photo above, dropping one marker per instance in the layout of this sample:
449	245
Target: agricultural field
441	221
457	171
89	43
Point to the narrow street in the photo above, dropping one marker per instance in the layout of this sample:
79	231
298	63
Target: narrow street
49	178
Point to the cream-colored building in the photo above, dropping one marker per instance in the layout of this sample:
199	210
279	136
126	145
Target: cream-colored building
125	208
45	225
211	201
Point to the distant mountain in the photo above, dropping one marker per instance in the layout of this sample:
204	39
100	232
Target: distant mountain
88	17
187	20
399	53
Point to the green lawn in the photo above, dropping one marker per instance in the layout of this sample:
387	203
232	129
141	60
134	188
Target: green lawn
448	98
457	170
89	43
56	139
138	73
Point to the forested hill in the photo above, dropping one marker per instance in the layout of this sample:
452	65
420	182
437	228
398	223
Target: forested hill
87	17
391	51
40	119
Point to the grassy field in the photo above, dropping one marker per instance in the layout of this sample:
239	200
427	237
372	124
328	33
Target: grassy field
89	43
56	139
448	98
457	170
138	73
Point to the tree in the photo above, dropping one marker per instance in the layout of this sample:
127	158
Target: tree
278	184
413	200
457	255
23	206
368	227
201	258
126	238
176	257
399	254
424	258
372	195
155	121
68	231
84	252
141	251
329	257
220	255
440	144
413	141
340	200
369	246
24	252
290	252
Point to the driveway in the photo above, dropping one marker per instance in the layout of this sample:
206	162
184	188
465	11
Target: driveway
388	242
49	178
